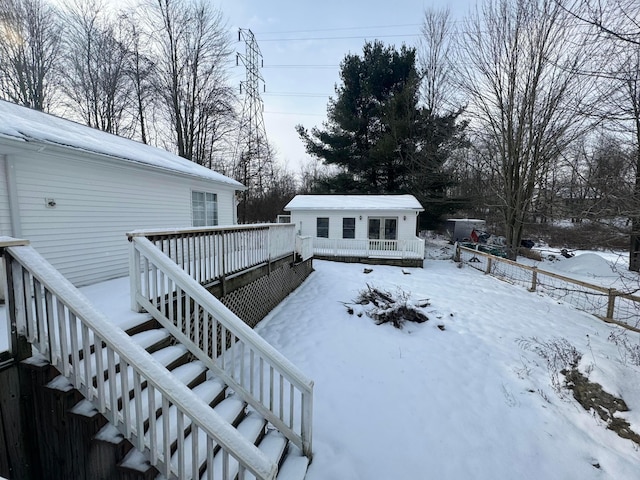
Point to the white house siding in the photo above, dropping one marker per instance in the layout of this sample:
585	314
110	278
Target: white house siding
96	203
306	221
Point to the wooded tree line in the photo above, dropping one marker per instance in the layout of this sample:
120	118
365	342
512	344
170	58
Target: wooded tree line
526	112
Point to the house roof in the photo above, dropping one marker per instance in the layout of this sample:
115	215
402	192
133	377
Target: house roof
354	202
21	123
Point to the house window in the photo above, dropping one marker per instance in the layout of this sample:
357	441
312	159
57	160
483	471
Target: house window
381	228
348	228
204	207
322	227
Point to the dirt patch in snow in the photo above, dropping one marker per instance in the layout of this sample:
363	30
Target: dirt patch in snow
593	398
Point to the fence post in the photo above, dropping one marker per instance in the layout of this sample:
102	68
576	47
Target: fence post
488	270
611	303
534	280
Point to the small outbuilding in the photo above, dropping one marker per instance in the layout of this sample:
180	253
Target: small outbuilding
459	229
366	228
74	192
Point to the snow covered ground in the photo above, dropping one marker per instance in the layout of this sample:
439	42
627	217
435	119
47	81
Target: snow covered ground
457	397
464	402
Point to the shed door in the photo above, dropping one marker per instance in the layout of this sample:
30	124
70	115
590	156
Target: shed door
383	228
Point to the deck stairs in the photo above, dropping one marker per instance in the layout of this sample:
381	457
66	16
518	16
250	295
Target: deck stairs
189	409
292	465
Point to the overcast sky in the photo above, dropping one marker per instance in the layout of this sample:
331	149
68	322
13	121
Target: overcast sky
302	45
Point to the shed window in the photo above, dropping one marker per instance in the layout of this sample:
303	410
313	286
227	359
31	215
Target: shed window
349	228
322	227
204	207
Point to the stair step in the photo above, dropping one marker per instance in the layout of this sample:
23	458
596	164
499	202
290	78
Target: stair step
189	373
273	445
153	340
109	434
231	409
149	323
294	466
252	428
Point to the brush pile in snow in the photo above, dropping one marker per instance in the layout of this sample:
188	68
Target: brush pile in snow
385	307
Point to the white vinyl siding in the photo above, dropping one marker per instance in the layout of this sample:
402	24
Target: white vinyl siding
204	208
96	202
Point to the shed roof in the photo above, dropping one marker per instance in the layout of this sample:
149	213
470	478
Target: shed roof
29	125
354	202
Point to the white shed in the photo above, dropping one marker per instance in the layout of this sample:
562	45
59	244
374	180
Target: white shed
363	226
74	192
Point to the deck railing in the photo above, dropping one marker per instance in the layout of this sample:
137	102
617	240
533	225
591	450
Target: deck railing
209	254
119	377
608	304
304	247
257	372
344	247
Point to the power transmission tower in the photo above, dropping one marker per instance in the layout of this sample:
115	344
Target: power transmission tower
252	157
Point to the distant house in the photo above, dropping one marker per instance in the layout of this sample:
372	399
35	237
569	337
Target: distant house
74	192
360	227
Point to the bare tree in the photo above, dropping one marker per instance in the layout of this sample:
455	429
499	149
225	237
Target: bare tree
617	19
434	60
140	70
520	69
192	63
616	26
97	82
30	38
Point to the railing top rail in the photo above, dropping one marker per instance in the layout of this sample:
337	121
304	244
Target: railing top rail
592	286
12	242
190	230
240	329
187	401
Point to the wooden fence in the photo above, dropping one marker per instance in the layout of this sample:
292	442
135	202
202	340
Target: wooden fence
608	304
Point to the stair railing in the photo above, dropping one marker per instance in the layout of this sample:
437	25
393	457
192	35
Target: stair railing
80	342
255	370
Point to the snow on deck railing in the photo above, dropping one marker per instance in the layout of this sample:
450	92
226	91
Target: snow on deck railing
344	247
209	254
93	354
607	304
256	371
304	247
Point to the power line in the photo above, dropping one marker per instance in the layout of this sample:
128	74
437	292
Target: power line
296	113
301	39
300	66
296	94
338	29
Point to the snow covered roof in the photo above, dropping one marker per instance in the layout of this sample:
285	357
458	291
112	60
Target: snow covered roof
354	202
29	125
